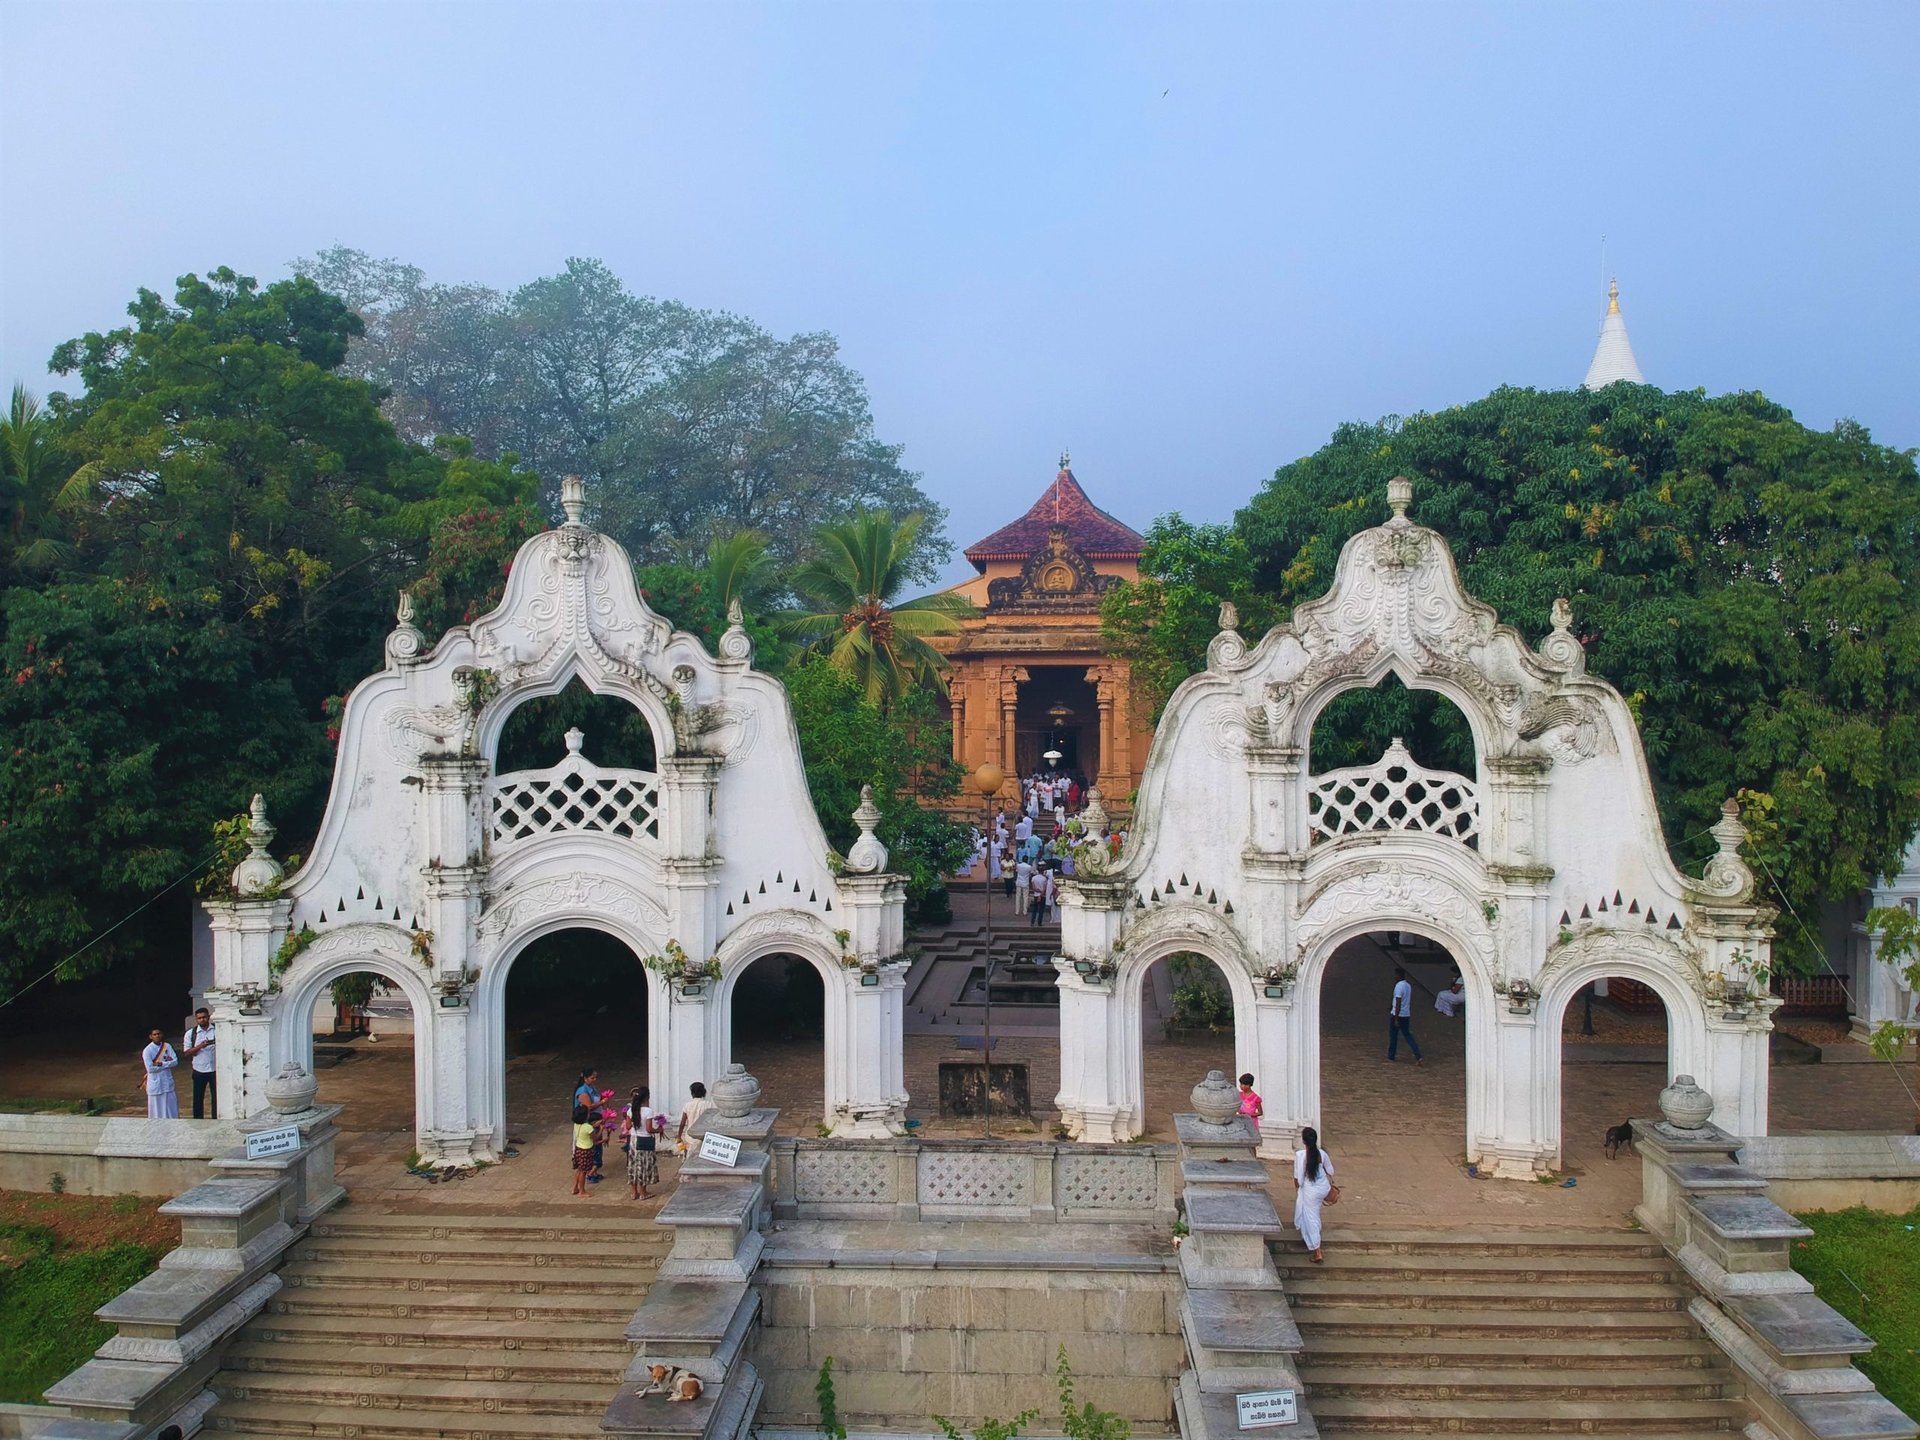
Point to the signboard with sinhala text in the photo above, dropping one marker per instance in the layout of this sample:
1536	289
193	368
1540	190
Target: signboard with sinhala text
264	1143
721	1149
1260	1409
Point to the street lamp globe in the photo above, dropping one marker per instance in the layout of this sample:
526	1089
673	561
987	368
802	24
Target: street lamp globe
986	779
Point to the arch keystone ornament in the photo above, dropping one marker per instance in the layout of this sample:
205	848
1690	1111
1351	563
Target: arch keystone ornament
1542	869
465	867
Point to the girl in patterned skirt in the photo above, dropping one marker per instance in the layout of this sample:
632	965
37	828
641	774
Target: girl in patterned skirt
582	1147
643	1129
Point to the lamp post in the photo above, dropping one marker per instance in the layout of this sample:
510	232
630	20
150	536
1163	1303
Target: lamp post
986	781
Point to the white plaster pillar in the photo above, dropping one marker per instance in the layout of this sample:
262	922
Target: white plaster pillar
685	1044
866	1079
1099	1099
1278	823
245	935
1282	1055
1507	1094
689	787
1736	1071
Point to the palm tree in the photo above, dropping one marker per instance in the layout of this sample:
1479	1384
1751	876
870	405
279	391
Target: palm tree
853	616
33	484
739	568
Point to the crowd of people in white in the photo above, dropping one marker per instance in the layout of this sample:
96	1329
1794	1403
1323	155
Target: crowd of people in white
1028	855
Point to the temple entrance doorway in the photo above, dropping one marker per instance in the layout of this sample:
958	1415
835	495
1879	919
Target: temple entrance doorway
1368	1105
1058	712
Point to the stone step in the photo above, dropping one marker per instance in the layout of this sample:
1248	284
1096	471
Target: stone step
261	1418
1591	1350
1333	1318
584	1365
1518	1269
1517	1384
407	1253
1617	1415
1493	1242
433	1327
1306	1291
504	1307
352	1221
442	1401
465	1279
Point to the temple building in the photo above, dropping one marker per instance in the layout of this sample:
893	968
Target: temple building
1030	681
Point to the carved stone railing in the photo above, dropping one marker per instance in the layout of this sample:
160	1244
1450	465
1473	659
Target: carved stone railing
575	797
1395	793
1029	1181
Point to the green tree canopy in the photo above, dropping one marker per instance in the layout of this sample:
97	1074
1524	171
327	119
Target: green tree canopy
1748	583
234	518
687	424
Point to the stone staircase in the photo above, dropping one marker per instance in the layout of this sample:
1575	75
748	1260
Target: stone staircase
1515	1334
398	1327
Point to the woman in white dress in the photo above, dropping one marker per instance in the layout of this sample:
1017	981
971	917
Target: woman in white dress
1312	1178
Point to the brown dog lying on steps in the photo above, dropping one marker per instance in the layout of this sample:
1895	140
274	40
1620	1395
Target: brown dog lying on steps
674	1383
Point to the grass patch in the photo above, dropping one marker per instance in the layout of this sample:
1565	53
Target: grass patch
43	1105
1867	1266
48	1294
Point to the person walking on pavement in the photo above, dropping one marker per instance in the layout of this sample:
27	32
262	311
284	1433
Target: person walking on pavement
1400	1017
197	1046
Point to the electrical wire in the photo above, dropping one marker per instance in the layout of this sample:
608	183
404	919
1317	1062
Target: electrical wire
197	867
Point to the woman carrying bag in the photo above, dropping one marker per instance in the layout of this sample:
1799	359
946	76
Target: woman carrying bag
1313	1179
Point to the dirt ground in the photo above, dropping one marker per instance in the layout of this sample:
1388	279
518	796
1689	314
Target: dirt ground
91	1222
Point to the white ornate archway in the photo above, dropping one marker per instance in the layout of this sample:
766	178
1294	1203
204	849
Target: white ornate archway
444	870
1545	862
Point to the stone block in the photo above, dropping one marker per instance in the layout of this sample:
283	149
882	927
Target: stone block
832	1307
780	1350
941	1351
1104	1310
1008	1352
988	1306
1144	1312
1152	1354
1090	1355
933	1307
881	1394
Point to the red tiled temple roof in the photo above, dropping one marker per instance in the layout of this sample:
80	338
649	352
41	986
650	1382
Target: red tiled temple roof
1063	505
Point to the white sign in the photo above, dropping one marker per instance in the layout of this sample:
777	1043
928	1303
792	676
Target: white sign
721	1149
1262	1408
263	1143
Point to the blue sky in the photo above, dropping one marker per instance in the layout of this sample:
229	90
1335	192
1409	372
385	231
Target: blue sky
1186	241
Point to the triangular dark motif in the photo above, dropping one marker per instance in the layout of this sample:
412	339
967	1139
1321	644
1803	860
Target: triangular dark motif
1156	896
796	887
396	914
1652	919
414	922
1603	904
1673	922
1565	919
1634	908
1169	889
378	903
763	887
361	893
829	905
323	914
745	898
1586	912
1616	899
779	878
1138	903
1212	899
343	905
813	897
1183	879
729	907
1229	909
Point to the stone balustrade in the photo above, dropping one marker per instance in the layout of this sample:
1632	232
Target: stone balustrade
1033	1181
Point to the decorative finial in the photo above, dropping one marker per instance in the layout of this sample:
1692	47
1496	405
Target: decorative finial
1094	816
1065	458
573	498
406	643
575	738
1229	615
1729	832
1613	296
1562	614
867	856
1399	496
259	872
735	643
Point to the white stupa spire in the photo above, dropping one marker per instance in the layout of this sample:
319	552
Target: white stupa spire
1613	356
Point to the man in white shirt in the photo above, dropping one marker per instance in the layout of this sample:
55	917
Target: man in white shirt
197	1046
158	1060
1022	884
1453	998
1400	1017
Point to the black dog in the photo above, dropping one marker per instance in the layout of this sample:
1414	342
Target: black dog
1621	1134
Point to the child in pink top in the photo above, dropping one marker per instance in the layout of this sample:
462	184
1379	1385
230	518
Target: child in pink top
1251	1104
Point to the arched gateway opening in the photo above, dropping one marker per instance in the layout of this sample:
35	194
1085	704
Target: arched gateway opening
778	1031
1418	1097
1616	1053
1186	1029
